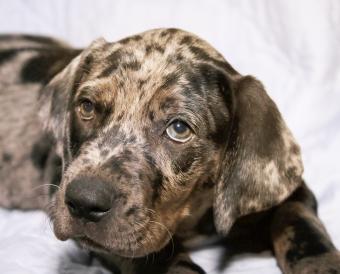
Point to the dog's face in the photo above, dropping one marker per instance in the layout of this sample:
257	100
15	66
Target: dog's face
154	130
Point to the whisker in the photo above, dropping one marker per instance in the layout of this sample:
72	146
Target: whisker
40	186
169	234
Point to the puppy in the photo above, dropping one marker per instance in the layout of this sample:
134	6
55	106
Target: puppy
154	144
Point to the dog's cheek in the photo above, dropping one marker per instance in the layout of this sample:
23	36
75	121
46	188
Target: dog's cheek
184	159
79	133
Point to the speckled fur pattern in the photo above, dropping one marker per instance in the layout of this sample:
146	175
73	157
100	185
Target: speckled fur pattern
240	171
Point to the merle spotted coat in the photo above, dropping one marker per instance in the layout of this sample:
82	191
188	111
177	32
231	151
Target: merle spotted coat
153	145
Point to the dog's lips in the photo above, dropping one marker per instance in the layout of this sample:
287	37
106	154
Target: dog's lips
89	243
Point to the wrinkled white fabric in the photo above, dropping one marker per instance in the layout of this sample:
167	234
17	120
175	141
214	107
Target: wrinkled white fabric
291	46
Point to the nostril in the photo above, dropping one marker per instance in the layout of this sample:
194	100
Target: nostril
96	213
72	208
99	210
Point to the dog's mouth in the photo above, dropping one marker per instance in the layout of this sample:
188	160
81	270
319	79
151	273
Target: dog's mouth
118	237
90	244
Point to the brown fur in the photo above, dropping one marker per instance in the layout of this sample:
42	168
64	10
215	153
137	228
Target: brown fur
241	158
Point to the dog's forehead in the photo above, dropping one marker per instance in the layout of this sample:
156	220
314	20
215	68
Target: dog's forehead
153	53
156	65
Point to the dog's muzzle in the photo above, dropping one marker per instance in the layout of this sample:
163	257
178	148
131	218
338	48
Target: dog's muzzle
89	198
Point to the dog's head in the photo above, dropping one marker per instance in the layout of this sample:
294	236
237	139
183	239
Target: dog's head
154	130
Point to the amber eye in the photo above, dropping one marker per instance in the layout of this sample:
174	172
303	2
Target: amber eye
179	131
86	109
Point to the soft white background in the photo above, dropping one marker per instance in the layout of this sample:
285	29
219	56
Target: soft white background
293	47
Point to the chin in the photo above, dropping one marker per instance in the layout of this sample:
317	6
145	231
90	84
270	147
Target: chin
128	252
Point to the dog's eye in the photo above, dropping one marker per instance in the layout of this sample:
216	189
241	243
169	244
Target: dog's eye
179	131
86	109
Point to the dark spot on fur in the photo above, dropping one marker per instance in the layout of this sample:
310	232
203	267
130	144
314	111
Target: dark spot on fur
306	242
131	139
121	198
172	30
6	55
168	34
151	115
208	184
125	40
197	83
132	65
41	150
206	223
46	64
132	210
183	163
120	116
88	61
104	152
186	40
202	55
167	103
114	60
199	53
149	159
150	48
295	149
140	238
82	72
6	157
115	164
157	186
55	164
141	83
169	80
292	174
179	57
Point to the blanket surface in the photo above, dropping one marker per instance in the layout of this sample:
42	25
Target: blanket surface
291	46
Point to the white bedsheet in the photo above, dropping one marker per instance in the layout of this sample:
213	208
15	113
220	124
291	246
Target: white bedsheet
291	46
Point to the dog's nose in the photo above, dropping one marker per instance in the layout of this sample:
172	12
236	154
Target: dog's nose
89	198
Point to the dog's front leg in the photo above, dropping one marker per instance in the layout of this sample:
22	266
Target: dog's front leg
300	241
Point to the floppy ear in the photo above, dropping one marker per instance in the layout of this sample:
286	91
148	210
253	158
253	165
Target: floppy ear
262	163
56	96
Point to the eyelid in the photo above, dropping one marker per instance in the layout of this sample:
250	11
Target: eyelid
85	92
183	118
190	125
84	99
81	98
